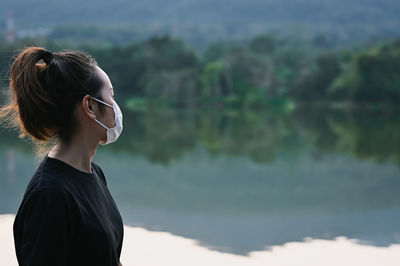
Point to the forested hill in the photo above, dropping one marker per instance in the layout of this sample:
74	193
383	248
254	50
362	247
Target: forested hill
341	12
363	19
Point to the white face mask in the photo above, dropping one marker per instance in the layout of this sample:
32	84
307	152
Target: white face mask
113	132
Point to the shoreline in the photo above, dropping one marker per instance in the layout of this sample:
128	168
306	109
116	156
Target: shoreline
140	246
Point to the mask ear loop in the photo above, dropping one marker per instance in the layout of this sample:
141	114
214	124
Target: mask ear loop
101	124
105	104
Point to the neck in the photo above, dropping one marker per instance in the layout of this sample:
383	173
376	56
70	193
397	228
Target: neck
77	153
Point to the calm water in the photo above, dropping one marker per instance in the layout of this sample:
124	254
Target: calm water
240	181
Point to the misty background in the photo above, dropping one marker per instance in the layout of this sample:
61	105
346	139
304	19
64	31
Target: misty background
203	21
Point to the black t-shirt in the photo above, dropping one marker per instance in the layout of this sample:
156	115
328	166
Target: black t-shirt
67	218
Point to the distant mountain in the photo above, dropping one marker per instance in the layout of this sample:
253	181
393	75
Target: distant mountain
218	19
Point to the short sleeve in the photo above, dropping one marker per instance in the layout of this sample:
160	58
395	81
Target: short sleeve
44	231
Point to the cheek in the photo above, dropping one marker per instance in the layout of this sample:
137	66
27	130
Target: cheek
109	116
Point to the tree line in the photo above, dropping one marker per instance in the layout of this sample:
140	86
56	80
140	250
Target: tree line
264	71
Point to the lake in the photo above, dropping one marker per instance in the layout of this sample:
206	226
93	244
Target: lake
241	181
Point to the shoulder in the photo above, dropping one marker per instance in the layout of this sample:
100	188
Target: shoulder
50	194
47	193
45	179
47	182
99	171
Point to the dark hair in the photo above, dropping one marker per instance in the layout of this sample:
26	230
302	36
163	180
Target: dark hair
45	89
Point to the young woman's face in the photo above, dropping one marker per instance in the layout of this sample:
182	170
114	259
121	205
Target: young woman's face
107	94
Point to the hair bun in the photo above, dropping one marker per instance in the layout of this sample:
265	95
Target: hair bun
47	56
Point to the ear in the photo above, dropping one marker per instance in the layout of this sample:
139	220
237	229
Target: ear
88	106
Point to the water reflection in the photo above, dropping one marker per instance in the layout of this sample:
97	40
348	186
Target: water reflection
140	245
10	165
238	206
262	135
241	181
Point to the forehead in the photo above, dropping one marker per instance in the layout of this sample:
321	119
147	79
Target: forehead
107	86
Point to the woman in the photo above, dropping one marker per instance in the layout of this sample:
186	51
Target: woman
67	215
